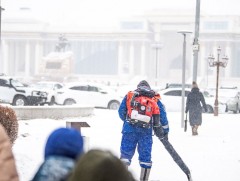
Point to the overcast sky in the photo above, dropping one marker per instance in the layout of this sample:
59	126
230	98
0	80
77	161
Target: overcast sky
87	12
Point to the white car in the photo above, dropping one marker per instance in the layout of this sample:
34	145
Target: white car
224	94
17	94
233	103
96	95
229	96
172	100
50	87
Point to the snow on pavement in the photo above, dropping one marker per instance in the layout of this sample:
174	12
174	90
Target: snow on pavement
213	155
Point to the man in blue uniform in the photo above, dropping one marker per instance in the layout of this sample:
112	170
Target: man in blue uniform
141	111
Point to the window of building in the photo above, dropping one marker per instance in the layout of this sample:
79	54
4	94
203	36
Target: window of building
215	25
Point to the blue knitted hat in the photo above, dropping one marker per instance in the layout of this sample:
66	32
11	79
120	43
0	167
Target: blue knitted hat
66	142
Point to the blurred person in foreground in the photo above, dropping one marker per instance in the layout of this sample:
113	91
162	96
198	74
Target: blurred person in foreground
99	165
194	103
8	171
63	147
141	112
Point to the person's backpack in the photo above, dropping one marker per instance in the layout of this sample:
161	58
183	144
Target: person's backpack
140	109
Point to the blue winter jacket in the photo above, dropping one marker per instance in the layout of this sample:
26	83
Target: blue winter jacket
55	168
127	128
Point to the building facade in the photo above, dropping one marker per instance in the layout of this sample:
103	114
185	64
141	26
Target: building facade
122	54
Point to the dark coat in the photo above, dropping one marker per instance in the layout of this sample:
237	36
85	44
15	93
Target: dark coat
195	101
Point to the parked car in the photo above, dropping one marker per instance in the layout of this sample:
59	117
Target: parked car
177	85
224	93
233	103
88	94
172	99
50	87
229	96
16	93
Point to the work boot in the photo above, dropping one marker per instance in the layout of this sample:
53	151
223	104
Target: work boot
145	172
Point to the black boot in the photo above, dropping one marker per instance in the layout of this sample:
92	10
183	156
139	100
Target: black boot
145	172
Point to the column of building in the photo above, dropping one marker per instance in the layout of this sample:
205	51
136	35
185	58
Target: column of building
229	65
143	60
27	60
120	59
131	60
17	58
4	53
38	56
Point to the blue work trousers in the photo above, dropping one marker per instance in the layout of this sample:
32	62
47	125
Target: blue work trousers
140	140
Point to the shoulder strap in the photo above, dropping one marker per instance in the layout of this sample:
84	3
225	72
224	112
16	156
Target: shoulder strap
157	97
129	98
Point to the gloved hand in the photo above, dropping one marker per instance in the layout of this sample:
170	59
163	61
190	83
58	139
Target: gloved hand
166	136
158	131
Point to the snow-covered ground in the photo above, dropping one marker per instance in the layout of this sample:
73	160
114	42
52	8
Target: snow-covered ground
213	155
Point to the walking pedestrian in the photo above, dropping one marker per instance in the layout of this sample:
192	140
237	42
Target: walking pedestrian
195	102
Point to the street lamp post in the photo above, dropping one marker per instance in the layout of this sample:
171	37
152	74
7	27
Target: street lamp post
195	42
184	33
217	63
157	46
